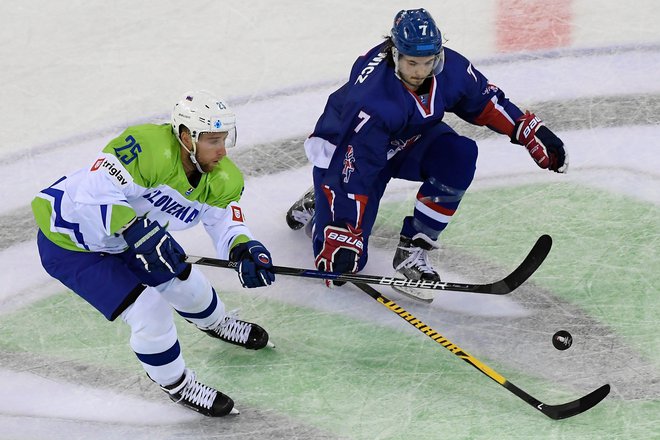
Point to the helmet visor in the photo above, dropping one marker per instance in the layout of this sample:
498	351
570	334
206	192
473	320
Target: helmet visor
439	63
230	140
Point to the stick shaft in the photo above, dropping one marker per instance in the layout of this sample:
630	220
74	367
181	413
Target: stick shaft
501	287
553	411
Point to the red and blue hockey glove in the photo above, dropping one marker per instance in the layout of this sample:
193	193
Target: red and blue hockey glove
342	248
543	145
255	266
154	247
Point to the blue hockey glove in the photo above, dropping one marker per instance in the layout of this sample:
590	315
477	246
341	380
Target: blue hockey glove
154	247
543	145
255	267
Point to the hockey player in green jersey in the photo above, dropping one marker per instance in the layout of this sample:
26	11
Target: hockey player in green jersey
103	232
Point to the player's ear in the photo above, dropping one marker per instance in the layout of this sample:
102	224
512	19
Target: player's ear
184	135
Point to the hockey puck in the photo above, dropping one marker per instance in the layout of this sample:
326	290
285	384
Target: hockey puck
562	340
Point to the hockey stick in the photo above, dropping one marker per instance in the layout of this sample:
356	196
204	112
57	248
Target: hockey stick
556	412
501	287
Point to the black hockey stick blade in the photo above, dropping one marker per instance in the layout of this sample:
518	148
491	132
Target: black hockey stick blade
533	261
564	410
575	407
555	412
501	287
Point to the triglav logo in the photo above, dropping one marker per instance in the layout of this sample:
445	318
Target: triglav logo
104	164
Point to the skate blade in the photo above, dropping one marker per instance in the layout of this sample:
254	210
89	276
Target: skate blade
427	296
234	412
270	344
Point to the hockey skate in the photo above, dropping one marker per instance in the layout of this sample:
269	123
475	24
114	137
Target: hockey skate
206	400
301	213
411	261
235	331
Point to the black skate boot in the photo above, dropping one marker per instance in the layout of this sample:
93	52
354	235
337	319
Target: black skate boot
300	214
411	261
199	397
235	331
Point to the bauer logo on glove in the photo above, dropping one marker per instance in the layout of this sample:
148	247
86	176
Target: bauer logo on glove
543	145
531	126
342	249
350	240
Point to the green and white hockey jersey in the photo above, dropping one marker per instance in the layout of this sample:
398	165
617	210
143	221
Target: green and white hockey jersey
140	173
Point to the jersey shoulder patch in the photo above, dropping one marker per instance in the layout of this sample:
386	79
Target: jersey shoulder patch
110	165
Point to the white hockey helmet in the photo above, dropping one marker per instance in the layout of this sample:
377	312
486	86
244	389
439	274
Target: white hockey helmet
201	112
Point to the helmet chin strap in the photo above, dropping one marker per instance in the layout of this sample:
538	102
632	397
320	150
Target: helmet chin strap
192	154
395	58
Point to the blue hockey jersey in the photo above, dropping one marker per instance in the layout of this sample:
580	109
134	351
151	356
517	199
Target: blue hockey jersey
374	116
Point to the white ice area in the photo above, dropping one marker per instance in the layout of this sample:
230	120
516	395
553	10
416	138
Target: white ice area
578	76
621	160
71	69
59	400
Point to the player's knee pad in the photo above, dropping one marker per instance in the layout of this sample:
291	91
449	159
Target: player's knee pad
194	298
152	323
453	162
190	294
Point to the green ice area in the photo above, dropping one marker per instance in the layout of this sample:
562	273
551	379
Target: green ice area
361	380
605	256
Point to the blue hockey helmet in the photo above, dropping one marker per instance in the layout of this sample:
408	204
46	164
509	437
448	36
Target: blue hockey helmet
415	33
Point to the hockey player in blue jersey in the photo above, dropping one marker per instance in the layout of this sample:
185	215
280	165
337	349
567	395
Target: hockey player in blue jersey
386	122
